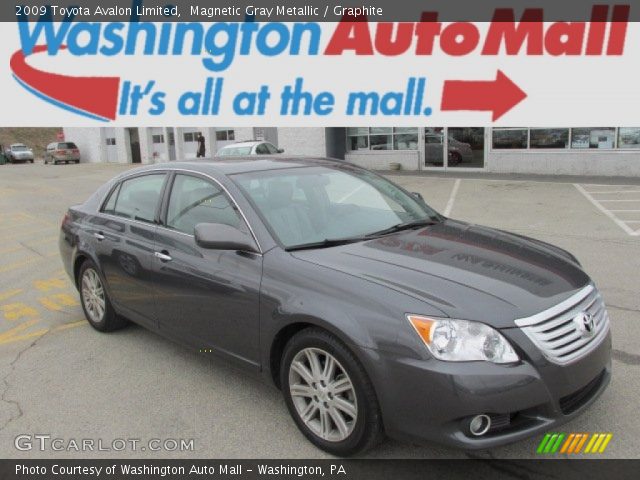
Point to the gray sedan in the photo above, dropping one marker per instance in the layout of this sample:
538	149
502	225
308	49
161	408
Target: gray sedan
373	314
19	152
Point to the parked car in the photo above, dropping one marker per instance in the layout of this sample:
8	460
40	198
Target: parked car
19	152
372	313
249	148
458	153
62	152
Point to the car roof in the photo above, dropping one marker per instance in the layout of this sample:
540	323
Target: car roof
18	145
247	143
242	164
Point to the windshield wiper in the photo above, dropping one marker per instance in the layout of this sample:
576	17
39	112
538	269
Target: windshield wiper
327	242
404	226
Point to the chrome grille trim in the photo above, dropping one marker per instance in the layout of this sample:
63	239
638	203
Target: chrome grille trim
554	331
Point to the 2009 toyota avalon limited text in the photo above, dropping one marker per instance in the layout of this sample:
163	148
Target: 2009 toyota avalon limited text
370	311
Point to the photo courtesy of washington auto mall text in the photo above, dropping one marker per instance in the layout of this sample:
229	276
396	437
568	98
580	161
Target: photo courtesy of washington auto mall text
335	239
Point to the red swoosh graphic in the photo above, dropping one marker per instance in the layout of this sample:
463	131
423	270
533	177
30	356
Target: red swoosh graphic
95	95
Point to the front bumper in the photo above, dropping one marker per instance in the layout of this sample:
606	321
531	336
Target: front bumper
430	400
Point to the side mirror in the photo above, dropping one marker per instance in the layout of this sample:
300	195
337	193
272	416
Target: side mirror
418	196
218	236
281	150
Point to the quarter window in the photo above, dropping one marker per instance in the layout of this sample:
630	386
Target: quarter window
271	148
194	200
110	204
262	149
136	198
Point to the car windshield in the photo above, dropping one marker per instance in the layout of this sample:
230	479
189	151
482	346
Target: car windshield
323	205
19	148
235	151
68	145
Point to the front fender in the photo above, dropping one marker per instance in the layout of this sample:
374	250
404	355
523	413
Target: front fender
362	314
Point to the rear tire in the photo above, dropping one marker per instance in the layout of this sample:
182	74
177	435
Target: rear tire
95	300
329	394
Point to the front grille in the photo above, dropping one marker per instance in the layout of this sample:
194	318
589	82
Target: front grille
557	331
574	401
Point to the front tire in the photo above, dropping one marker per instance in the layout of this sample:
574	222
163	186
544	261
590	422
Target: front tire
95	301
329	395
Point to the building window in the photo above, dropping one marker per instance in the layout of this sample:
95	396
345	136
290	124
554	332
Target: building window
405	138
191	136
549	138
605	138
510	138
157	138
629	138
111	141
223	134
382	138
602	137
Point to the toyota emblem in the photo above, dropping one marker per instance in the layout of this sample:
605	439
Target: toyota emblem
585	324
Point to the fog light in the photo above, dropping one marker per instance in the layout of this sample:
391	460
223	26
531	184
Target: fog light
479	425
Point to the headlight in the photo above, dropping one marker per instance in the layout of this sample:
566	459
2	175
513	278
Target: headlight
462	340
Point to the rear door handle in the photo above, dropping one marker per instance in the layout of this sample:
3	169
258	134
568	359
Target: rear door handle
162	256
99	236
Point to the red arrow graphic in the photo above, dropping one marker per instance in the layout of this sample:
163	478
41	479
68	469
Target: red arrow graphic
498	96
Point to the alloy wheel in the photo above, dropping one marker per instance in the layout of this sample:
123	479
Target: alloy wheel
323	394
93	296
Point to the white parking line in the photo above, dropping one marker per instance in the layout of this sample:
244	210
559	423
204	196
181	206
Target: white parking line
452	198
624	225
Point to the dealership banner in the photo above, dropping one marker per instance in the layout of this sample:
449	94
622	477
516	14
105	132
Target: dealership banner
334	63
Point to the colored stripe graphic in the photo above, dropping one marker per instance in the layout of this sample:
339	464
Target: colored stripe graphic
543	443
573	443
607	439
581	443
565	447
93	97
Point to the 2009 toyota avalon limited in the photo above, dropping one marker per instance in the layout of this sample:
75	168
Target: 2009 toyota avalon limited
371	312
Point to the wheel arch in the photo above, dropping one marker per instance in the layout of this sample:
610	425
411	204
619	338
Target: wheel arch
291	328
77	263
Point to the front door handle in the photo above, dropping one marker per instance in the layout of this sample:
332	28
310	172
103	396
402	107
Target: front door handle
162	256
99	236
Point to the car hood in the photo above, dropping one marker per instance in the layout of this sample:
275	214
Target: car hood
462	271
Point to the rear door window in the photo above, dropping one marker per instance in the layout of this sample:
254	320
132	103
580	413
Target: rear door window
136	198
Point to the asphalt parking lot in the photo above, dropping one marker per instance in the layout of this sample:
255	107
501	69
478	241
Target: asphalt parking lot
61	378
